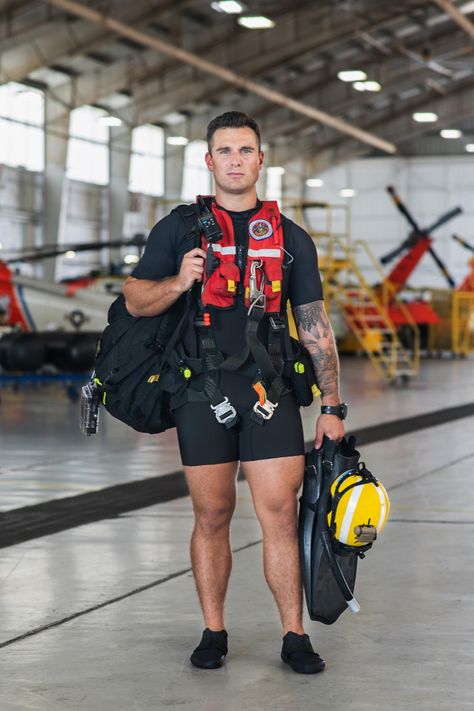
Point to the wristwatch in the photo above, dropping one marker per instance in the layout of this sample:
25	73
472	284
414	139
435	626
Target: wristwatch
338	410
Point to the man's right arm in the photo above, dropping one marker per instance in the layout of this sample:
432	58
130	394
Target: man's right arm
147	297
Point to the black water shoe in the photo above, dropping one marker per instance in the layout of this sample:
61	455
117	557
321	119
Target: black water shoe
300	655
211	651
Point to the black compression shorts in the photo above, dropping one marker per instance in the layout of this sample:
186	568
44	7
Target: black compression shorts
202	440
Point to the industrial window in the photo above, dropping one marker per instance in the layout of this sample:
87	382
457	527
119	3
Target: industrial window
197	180
21	126
274	183
147	171
88	146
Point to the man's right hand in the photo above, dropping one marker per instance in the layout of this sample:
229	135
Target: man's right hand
192	268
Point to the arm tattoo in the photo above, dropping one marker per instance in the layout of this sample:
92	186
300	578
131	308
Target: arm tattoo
316	335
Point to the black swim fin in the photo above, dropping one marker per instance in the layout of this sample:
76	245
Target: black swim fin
328	576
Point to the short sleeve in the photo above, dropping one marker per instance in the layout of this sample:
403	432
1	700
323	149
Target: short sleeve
159	258
305	280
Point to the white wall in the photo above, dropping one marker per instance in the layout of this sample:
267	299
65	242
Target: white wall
20	207
83	219
428	187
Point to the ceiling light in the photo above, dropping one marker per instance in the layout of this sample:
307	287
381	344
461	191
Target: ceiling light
70	254
470	147
177	140
450	133
173	118
425	117
229	6
275	170
352	75
110	121
314	182
347	192
131	259
367	86
256	22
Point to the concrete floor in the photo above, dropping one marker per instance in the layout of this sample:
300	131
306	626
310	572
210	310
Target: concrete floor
105	615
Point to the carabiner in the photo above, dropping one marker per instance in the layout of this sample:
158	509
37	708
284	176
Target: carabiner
254	291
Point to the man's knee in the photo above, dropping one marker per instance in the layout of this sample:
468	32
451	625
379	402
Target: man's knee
213	518
279	514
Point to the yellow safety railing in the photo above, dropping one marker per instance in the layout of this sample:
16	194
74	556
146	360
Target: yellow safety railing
370	320
462	322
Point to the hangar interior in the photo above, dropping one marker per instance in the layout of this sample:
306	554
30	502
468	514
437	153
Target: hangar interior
103	115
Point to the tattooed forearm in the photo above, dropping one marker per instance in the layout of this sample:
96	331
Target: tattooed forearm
316	335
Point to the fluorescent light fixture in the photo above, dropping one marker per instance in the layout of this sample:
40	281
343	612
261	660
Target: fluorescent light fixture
347	192
352	75
470	147
229	6
70	254
367	86
173	118
256	22
425	117
177	140
314	182
450	133
276	169
131	259
467	8
110	121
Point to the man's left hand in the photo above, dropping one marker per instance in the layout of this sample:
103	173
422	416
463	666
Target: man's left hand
331	426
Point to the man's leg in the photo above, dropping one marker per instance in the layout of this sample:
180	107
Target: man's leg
274	484
213	492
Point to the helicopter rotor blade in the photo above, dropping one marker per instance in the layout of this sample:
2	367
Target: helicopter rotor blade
402	208
137	240
462	242
442	267
390	256
444	218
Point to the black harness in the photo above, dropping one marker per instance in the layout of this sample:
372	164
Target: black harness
271	360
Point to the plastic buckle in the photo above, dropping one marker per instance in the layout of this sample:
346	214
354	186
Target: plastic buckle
277	323
266	410
224	411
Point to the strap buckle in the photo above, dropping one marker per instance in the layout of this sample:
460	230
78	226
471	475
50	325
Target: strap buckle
225	412
265	411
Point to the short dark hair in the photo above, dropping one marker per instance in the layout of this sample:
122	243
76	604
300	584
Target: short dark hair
232	119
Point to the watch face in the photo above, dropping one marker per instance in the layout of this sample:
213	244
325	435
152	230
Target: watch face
343	411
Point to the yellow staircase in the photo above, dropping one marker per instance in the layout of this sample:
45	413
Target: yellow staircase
365	309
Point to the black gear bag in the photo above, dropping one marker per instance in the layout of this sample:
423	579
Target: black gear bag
132	372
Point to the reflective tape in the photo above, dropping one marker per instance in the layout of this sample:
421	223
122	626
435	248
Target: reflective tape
263	252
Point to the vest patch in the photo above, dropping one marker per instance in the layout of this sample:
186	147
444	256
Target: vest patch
260	229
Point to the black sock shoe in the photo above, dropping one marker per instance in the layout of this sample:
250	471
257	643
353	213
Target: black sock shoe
300	655
211	651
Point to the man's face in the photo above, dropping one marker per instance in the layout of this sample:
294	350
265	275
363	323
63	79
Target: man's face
235	160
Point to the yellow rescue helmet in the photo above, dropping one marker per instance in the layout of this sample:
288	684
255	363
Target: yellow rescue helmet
359	507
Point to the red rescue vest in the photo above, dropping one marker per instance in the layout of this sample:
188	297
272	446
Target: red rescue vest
265	251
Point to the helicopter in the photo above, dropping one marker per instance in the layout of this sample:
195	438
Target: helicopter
44	323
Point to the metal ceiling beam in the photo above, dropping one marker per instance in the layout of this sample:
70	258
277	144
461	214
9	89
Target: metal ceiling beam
455	13
269	61
221	72
18	63
455	106
392	85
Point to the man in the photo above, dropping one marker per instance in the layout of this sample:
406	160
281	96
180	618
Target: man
272	453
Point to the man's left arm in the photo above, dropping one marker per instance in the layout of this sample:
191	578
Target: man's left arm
316	334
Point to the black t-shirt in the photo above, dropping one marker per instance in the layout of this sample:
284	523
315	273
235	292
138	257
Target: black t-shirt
159	260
